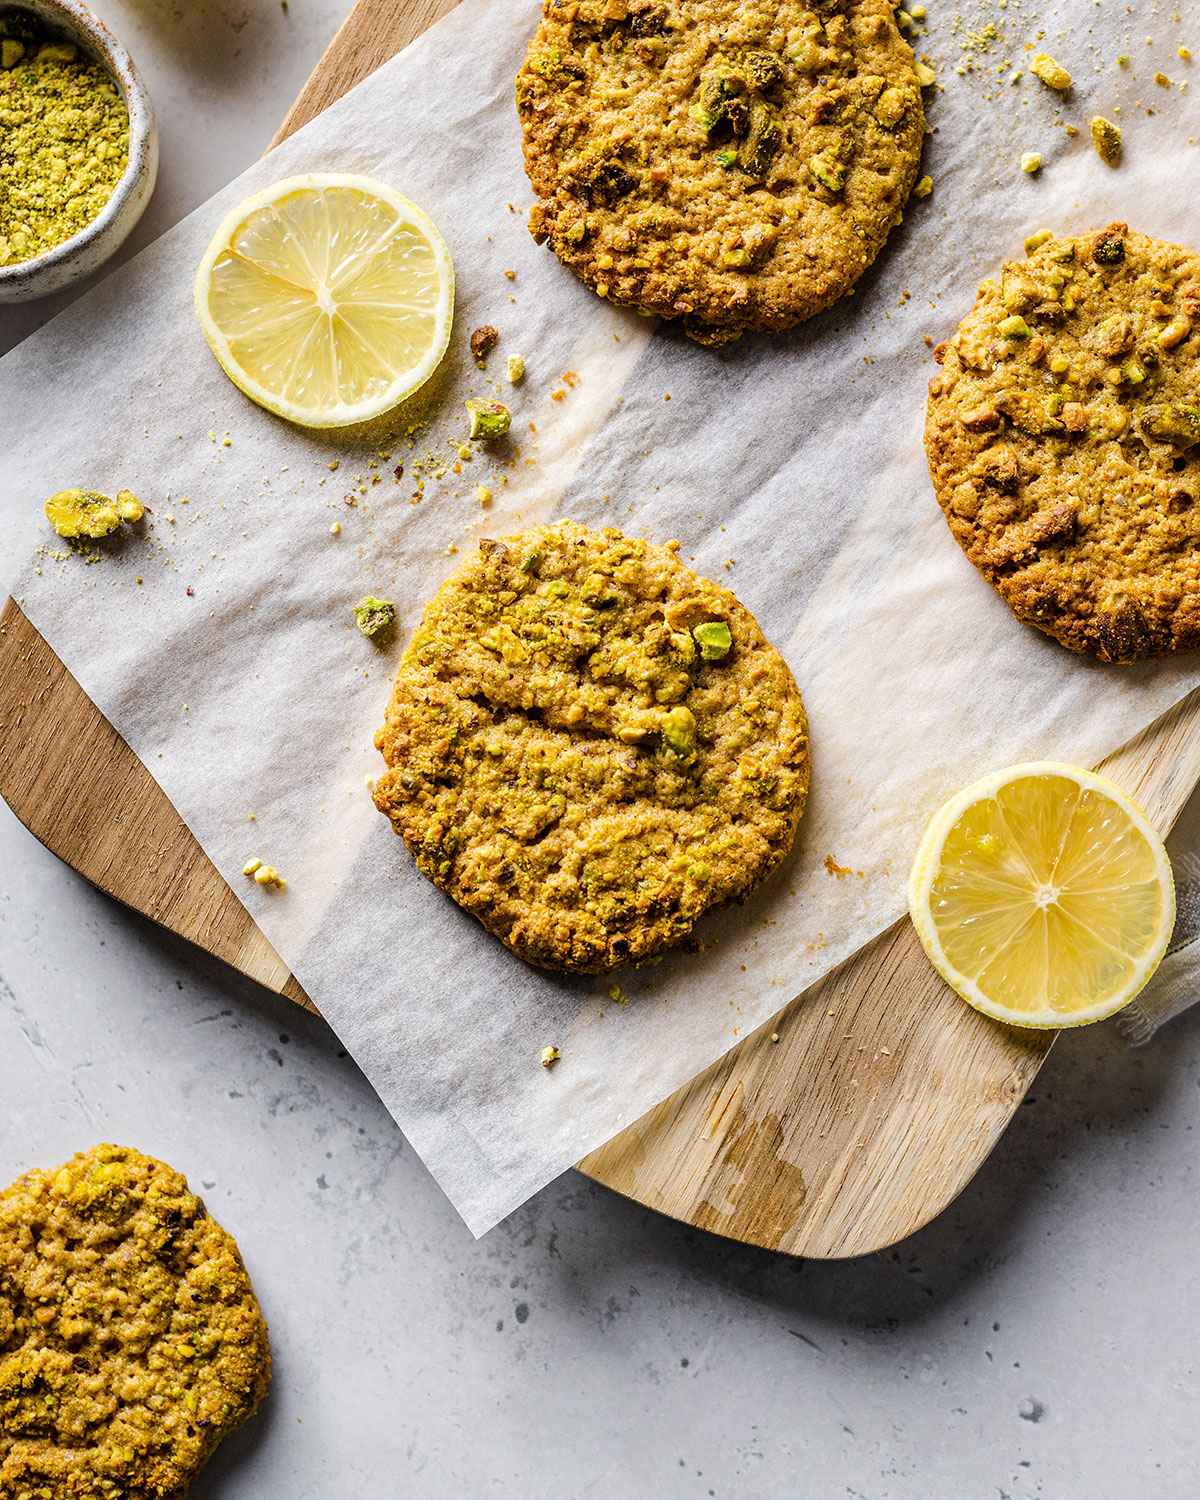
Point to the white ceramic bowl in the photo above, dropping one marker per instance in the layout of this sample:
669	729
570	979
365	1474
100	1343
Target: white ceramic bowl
95	242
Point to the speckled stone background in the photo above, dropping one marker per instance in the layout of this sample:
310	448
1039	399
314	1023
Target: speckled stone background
1039	1340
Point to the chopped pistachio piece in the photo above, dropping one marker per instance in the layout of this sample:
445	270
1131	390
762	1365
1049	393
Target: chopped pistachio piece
1036	241
1031	162
251	865
75	513
374	617
925	75
549	1056
828	172
678	729
727	159
516	369
1107	140
714	639
129	507
1014	327
1052	73
489	419
1173	424
11	52
924	187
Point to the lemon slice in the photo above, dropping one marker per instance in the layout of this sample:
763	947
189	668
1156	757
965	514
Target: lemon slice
327	298
1043	896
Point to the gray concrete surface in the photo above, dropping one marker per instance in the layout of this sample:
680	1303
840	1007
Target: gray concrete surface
1039	1340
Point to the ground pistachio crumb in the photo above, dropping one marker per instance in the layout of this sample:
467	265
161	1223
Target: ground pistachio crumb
267	876
483	495
549	1056
1185	53
1035	241
926	76
924	187
335	529
1107	140
251	865
374	617
489	419
65	131
516	369
1051	73
1031	162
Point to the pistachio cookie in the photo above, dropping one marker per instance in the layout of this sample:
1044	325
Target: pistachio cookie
1063	436
131	1342
738	165
589	746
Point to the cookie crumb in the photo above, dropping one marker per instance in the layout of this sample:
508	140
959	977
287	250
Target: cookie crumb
1106	138
1051	73
549	1056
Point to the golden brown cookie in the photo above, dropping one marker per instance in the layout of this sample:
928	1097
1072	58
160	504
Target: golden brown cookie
738	165
131	1341
1063	435
590	746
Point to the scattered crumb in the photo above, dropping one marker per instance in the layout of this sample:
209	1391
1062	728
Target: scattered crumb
336	529
375	618
924	187
1031	162
549	1056
1107	140
483	341
1051	73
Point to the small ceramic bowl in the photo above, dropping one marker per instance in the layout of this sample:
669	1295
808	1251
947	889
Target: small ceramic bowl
95	242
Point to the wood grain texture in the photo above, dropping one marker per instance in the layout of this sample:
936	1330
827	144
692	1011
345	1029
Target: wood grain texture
883	1093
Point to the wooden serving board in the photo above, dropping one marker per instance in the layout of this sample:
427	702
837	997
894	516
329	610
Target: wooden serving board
874	1108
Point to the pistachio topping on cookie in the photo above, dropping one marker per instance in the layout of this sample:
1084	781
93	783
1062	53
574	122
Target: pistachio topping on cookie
578	755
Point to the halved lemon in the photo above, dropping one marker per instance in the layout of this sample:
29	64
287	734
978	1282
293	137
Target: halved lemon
1043	895
327	298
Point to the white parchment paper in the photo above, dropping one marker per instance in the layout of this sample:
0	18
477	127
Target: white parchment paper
221	645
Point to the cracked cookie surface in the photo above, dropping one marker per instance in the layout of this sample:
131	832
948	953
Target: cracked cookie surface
589	746
1063	437
131	1342
736	165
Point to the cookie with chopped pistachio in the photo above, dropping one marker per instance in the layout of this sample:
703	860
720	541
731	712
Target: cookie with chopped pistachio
737	165
131	1342
589	746
1063	436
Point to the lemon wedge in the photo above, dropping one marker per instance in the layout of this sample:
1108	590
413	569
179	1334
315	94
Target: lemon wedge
1043	896
327	298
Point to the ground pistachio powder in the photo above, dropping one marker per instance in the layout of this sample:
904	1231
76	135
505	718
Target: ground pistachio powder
64	140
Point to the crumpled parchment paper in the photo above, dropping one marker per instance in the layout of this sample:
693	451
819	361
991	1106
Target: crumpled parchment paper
220	642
